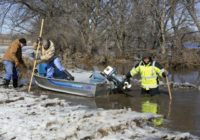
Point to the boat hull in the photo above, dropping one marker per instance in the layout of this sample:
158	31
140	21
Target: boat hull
72	87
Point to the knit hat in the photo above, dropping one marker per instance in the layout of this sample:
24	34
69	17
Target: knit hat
46	43
23	41
146	55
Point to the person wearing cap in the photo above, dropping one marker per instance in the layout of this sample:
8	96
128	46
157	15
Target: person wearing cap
48	56
149	71
12	60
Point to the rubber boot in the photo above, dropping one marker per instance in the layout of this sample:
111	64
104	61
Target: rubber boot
15	83
6	83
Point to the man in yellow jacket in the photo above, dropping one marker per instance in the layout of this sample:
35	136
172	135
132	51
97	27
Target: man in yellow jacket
12	59
149	71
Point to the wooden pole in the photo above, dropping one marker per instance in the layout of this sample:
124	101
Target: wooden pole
35	61
169	89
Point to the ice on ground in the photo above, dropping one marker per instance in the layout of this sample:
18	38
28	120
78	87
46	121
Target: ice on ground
24	116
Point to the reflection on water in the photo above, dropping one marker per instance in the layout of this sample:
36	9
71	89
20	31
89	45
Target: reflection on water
181	114
148	106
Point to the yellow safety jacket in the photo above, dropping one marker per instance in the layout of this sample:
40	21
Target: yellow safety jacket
149	74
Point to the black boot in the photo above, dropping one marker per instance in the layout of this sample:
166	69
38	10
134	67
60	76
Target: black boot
15	83
6	83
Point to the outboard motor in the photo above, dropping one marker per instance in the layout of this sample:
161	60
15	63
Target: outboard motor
111	74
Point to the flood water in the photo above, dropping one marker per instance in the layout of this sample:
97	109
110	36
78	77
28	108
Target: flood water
182	113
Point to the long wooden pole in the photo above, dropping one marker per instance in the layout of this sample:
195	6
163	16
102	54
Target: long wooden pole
169	89
35	61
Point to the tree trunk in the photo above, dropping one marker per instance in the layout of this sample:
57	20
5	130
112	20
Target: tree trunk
162	26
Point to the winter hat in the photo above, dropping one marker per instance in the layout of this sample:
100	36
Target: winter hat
146	55
46	43
23	41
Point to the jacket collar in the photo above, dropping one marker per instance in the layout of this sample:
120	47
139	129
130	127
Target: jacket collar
148	64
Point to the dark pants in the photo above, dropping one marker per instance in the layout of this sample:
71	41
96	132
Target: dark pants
151	92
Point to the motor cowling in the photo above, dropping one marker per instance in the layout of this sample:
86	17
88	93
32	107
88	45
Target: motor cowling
111	75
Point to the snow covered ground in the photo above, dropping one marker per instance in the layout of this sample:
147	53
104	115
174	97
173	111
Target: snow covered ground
25	116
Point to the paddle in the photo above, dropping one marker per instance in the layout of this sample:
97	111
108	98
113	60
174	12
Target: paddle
35	61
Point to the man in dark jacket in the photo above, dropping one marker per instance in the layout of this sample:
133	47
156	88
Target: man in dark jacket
12	59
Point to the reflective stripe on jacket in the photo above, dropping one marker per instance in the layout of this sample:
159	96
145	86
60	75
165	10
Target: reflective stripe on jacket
149	74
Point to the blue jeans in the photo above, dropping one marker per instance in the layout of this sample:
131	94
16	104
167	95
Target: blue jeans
10	70
55	63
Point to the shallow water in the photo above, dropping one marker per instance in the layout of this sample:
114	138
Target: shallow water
180	114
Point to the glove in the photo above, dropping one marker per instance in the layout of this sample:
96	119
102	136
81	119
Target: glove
128	76
68	75
165	74
39	40
38	61
72	78
127	85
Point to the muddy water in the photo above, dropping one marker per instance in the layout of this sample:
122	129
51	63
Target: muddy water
180	114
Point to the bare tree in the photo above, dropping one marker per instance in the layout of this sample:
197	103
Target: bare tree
190	6
93	26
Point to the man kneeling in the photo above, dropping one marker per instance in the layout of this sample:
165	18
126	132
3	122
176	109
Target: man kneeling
48	56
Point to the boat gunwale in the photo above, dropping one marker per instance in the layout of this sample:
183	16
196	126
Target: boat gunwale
64	80
91	94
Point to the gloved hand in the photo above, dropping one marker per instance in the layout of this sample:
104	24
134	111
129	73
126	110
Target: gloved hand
38	61
39	40
128	76
127	85
68	75
165	74
72	78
